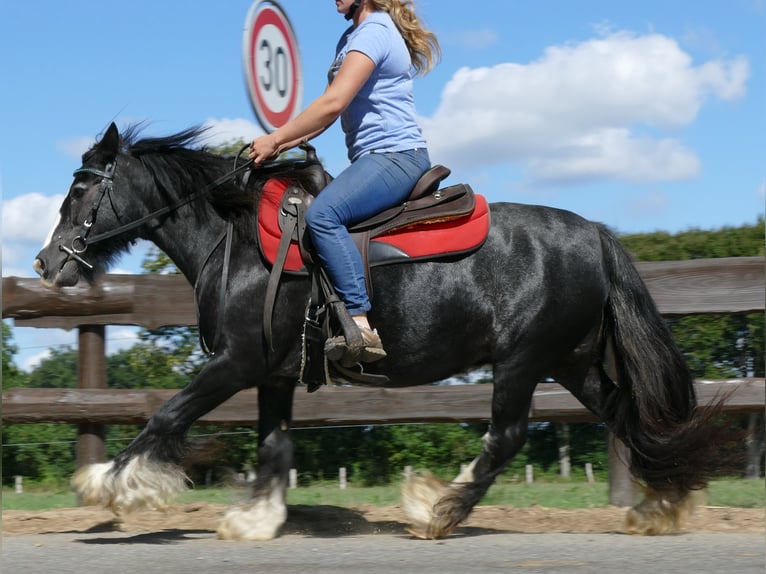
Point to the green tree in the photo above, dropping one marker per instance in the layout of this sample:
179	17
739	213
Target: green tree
714	345
43	452
12	376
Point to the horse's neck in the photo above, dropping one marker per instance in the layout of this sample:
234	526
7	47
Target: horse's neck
188	240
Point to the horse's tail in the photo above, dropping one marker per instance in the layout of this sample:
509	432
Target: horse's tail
675	446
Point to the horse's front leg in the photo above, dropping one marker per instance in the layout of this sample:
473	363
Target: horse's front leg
148	472
434	507
262	517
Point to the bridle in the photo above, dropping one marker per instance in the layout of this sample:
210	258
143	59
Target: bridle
106	185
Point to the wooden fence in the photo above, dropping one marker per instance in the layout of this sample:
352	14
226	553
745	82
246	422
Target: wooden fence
335	406
726	285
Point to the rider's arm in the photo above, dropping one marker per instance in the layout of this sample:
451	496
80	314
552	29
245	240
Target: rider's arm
293	143
321	113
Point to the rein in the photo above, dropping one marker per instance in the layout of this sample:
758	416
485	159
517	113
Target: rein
106	184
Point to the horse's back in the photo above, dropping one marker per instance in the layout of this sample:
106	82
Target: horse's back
536	238
539	273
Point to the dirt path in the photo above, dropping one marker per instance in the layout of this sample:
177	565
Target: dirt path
329	521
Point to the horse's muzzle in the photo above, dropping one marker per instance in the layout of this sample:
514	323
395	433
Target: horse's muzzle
66	275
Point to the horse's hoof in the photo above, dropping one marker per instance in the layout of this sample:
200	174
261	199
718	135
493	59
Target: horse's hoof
657	515
418	533
260	522
420	495
93	484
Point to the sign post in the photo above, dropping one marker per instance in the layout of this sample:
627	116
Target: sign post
272	65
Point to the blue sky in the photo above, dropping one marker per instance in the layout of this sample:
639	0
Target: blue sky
643	115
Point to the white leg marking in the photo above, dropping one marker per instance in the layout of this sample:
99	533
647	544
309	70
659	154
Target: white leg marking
466	475
140	484
261	520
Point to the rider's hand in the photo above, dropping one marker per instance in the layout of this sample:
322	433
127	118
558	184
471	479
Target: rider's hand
263	148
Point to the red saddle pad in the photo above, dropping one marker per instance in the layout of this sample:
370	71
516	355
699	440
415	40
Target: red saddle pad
418	241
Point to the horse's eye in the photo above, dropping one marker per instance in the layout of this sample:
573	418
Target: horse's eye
78	190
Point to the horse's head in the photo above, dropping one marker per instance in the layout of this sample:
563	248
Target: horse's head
89	209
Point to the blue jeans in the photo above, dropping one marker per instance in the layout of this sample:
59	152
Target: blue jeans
371	184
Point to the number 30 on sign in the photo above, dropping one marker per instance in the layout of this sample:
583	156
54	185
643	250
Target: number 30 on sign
272	65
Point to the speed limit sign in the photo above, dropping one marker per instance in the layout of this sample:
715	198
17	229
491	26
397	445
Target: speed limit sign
272	65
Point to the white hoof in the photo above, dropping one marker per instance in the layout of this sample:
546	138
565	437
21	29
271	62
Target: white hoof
140	484
259	521
92	483
419	496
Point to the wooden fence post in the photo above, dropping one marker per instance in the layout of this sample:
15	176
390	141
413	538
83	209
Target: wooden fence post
91	374
342	478
623	490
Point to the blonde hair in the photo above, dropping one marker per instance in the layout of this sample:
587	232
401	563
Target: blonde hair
422	44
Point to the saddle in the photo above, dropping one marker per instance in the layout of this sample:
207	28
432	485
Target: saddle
433	223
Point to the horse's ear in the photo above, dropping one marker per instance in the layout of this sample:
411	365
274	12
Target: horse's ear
110	143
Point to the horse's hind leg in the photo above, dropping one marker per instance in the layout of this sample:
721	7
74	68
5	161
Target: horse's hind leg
147	473
435	508
595	386
262	517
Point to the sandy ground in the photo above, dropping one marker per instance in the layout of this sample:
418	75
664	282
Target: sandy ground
332	521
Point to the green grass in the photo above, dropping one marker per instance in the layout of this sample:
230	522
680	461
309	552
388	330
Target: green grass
737	493
551	494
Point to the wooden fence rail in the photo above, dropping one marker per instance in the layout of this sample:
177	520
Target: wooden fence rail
725	285
336	405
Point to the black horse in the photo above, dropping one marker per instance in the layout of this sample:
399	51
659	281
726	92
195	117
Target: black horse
548	295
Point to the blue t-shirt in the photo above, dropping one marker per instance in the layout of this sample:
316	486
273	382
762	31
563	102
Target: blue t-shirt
381	117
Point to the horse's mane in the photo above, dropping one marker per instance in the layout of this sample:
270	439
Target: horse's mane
181	164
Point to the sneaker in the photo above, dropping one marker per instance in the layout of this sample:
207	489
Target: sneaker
335	347
373	346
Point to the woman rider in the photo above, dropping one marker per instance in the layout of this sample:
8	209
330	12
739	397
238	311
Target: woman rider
371	89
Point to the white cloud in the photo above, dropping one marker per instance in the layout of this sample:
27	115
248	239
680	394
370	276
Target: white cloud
762	190
74	147
30	362
226	130
614	154
30	217
120	338
120	271
609	107
35	344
